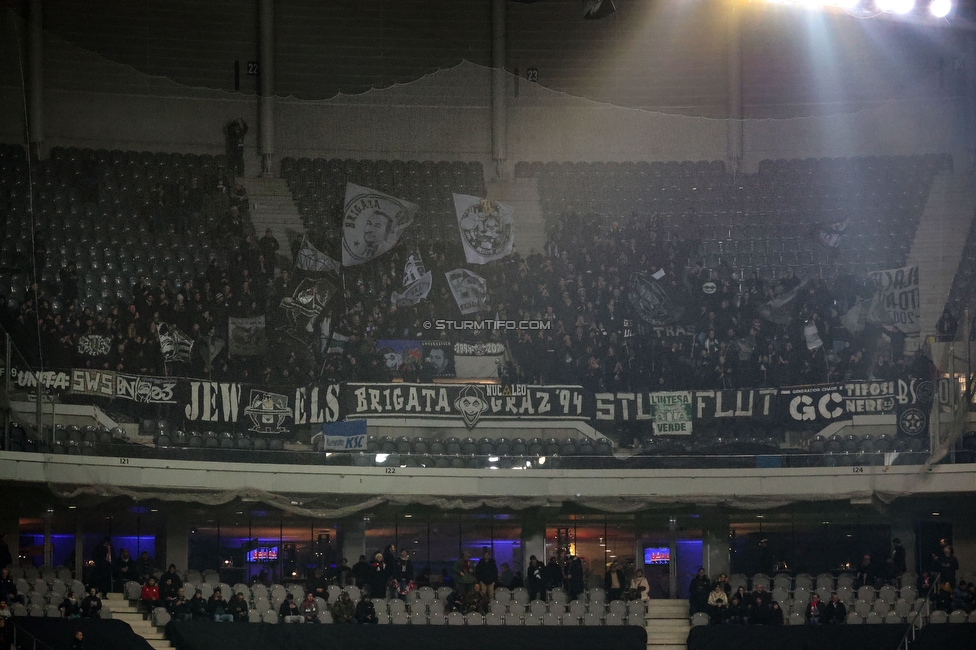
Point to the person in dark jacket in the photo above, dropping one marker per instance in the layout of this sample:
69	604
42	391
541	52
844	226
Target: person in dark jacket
360	572
238	607
948	565
486	572
535	580
70	606
815	610
366	611
91	605
288	612
169	583
198	607
698	591
403	571
219	608
613	582
574	573
379	576
555	574
834	612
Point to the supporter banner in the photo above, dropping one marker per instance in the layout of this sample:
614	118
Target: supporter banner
307	302
145	390
175	345
651	300
730	404
478	367
913	420
342	436
487	228
262	410
469	289
94	345
439	358
98	383
416	282
312	259
372	223
816	404
246	336
467	403
397	353
899	293
668	413
479	349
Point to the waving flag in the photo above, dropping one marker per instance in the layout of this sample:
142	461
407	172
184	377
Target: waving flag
416	282
469	289
312	259
372	223
175	345
487	228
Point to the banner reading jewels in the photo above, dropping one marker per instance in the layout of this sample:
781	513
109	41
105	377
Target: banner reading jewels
466	403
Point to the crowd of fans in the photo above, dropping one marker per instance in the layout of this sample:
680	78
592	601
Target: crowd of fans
580	285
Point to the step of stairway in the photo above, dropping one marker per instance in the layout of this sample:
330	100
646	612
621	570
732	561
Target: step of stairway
667	646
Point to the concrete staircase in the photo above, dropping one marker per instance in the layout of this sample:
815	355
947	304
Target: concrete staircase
667	624
523	195
124	610
939	241
272	206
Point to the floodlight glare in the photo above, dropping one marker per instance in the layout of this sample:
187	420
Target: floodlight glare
381	458
885	5
902	6
940	8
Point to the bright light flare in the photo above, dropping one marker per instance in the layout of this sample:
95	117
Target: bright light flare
940	8
902	6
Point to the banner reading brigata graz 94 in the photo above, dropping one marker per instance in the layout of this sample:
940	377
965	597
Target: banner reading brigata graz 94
467	403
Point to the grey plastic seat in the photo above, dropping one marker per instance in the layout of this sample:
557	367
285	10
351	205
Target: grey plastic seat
592	618
537	607
958	616
455	618
938	616
893	618
474	618
874	618
493	618
854	619
796	618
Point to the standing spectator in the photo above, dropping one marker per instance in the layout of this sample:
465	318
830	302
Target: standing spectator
487	573
613	582
379	576
360	572
535	580
505	577
145	567
947	326
8	589
236	131
268	246
403	571
639	586
898	556
948	565
102	559
125	568
464	576
698	591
